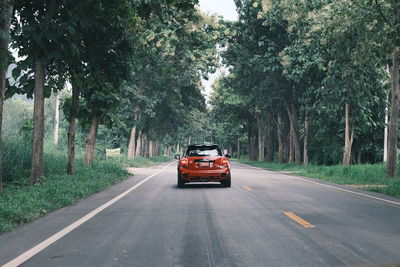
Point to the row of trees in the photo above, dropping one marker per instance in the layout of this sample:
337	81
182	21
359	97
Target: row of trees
134	66
306	77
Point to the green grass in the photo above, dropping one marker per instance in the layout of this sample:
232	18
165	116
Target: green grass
138	161
21	203
371	177
17	152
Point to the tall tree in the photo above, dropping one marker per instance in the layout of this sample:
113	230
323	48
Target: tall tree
34	37
6	10
37	171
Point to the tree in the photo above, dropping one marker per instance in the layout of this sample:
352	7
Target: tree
317	68
165	92
229	114
6	8
357	24
34	37
389	12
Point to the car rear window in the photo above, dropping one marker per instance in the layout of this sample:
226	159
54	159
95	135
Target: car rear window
199	151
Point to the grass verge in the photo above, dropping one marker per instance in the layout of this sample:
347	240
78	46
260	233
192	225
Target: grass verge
21	203
370	177
138	162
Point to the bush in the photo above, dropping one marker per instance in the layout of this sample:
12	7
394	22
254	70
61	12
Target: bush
17	152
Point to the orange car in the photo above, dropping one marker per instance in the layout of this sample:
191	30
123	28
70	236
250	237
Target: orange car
204	163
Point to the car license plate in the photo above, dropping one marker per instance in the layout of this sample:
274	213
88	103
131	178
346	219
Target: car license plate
204	164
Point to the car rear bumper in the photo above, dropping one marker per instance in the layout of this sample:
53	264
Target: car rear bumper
189	175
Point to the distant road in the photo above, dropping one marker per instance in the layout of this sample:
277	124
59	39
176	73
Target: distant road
265	219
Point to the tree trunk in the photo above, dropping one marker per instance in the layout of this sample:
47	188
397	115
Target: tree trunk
238	148
348	138
292	113
37	171
145	151
56	118
385	132
269	139
73	113
281	141
158	150
143	148
391	169
252	144
138	144
5	21
305	147
286	147
91	139
260	137
151	149
2	90
291	146
131	146
249	150
132	138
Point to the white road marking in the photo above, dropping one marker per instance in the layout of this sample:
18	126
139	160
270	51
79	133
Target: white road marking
325	185
44	244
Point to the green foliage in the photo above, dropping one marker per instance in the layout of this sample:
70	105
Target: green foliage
21	203
17	112
366	176
229	111
311	58
393	189
16	158
164	99
137	162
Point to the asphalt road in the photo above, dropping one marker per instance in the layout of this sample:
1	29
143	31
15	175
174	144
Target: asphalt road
264	219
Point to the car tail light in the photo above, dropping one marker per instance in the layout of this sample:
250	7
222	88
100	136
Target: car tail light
222	164
184	163
225	162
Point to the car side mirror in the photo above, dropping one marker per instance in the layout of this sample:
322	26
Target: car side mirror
177	156
228	155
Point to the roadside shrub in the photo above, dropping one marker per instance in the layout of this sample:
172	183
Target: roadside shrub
17	152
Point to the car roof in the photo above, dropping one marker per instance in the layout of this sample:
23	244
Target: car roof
203	145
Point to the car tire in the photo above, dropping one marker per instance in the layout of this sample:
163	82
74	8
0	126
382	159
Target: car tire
181	183
227	182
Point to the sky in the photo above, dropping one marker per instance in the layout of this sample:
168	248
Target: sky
225	8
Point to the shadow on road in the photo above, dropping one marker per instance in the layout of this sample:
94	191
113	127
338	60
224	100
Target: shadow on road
199	186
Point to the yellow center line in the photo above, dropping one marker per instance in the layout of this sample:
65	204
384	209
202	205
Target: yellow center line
299	220
248	188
